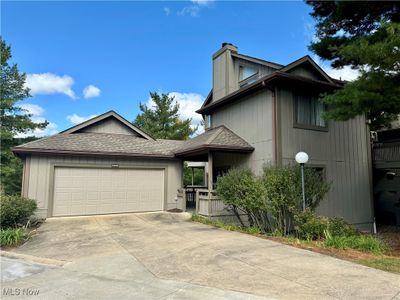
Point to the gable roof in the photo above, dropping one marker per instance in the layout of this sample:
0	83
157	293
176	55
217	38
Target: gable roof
281	73
265	82
257	60
104	144
306	60
217	138
109	114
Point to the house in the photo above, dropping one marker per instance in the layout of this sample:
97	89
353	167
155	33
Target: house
257	113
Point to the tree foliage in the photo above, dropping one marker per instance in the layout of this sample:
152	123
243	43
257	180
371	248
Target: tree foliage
14	120
162	120
198	176
364	35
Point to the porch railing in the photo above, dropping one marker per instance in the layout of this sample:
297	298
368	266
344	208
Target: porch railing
208	204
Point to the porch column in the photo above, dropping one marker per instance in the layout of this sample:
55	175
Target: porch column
210	182
210	172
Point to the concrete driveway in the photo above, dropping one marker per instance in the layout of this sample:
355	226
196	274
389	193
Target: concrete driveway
164	256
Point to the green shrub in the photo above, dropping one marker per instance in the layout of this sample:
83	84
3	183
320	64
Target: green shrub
271	200
15	210
11	237
242	192
362	242
284	195
309	226
339	227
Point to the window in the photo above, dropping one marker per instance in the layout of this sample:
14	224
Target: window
246	72
208	121
308	111
320	172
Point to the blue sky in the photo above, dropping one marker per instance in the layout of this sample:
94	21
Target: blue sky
119	51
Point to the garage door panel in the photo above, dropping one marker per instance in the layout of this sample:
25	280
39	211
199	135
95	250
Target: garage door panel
87	191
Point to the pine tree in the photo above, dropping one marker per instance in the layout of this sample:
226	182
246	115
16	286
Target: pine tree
162	120
366	36
14	120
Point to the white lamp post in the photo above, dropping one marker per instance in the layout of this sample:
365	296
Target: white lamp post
302	158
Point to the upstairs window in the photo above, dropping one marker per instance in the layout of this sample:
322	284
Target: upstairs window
308	112
247	72
208	122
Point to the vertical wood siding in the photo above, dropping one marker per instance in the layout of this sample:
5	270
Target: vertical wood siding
40	166
251	119
109	125
343	151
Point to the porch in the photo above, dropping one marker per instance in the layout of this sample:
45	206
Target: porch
219	149
207	203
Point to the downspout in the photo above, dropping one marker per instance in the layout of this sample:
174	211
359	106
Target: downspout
370	150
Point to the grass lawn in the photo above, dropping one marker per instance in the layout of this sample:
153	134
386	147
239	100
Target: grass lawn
388	261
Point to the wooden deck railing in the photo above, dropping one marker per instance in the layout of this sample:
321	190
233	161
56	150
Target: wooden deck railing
208	204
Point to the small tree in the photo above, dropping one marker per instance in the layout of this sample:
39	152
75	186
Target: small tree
162	120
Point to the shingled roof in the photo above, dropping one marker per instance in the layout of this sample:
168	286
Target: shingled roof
102	144
217	138
125	145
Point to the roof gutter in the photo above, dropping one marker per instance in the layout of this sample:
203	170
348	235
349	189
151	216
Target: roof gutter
205	147
23	151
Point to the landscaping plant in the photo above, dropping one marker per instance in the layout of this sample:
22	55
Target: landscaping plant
11	237
243	193
272	200
15	210
309	226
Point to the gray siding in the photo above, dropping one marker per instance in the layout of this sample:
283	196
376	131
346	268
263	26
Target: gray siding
344	152
109	125
308	73
38	176
251	119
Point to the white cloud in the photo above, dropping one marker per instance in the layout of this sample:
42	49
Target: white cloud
32	109
167	11
188	104
346	73
37	116
91	91
76	119
202	2
192	11
49	83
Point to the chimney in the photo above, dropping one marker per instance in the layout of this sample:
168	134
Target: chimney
224	79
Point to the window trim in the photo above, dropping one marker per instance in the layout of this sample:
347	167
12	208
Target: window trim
306	126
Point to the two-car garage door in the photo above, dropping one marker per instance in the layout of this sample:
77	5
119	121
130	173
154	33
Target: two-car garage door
90	191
